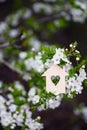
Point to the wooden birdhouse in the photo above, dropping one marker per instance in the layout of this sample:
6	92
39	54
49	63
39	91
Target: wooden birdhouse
58	73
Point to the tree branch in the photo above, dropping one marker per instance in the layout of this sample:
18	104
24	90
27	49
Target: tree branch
10	67
11	74
4	45
51	18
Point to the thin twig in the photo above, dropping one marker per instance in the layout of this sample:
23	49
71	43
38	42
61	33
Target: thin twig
51	17
11	67
4	45
17	72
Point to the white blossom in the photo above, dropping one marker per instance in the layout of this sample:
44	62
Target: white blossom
32	92
48	63
32	96
78	15
35	44
6	118
40	6
74	84
59	55
18	85
35	99
2	99
35	64
53	103
27	14
77	58
19	119
13	33
29	63
82	112
68	66
12	108
22	55
3	26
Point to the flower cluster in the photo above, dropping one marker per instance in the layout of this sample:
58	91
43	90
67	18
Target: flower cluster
15	111
16	104
37	63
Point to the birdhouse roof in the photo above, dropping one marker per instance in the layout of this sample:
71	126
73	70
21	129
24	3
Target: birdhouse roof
55	70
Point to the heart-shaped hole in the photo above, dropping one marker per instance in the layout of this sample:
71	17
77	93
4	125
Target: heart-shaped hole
55	79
